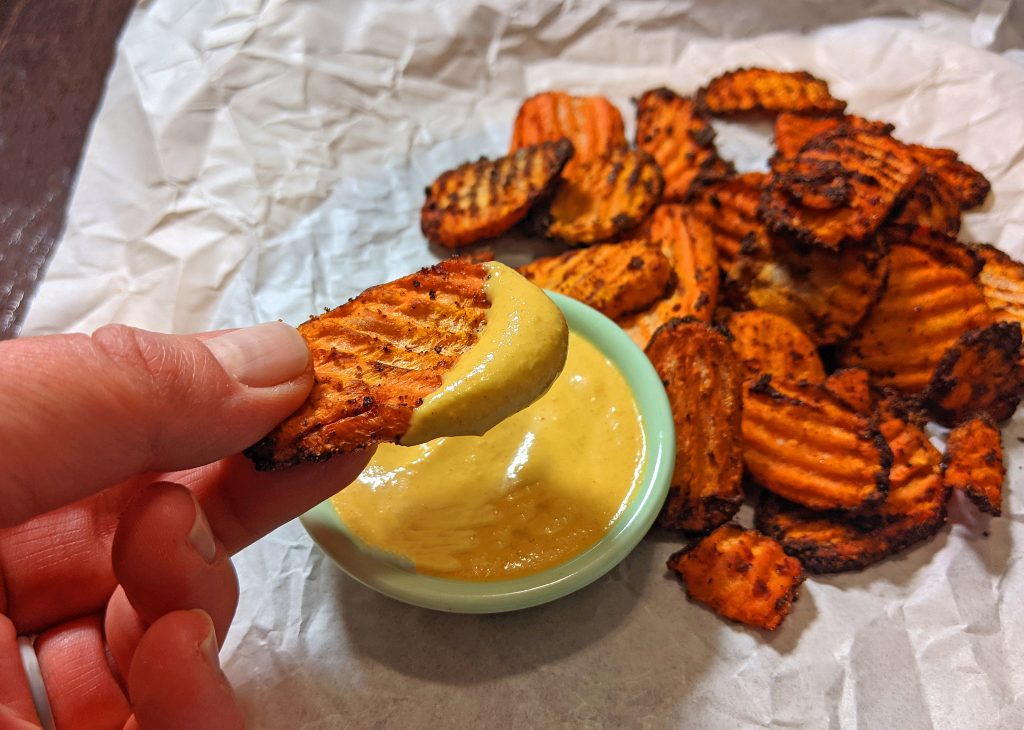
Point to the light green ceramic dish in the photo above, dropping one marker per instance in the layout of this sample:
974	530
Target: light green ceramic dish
385	575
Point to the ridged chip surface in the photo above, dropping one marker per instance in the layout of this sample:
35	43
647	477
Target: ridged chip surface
592	123
806	445
375	359
613	278
603	198
740	574
703	381
483	199
840	187
680	138
768	90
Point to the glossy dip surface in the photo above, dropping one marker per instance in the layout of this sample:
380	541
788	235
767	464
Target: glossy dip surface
534	491
521	350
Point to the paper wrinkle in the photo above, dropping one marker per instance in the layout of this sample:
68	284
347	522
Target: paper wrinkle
255	160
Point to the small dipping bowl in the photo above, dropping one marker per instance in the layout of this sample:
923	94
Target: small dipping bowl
384	574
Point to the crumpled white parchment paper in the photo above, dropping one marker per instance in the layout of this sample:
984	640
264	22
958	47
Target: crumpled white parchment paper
255	160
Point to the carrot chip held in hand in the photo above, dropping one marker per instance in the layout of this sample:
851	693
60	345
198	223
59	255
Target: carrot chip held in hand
448	351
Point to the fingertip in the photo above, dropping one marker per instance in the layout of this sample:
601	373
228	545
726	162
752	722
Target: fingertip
123	628
244	504
166	558
263	355
175	679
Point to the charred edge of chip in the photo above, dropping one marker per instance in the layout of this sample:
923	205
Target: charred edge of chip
718	510
776	220
689	319
829	175
908	408
936	244
885	459
838	106
1005	338
763	386
822	557
981	502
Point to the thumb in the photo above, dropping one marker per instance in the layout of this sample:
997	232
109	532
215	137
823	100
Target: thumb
80	413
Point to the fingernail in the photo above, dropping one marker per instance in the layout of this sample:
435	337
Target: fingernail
260	356
201	536
208	646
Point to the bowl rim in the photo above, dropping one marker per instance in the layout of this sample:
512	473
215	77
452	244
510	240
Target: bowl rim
327	530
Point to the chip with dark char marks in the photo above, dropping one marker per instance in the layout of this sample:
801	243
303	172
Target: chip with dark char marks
613	278
729	206
930	203
1002	282
929	301
839	188
767	90
981	373
602	198
703	381
740	574
680	138
968	186
484	199
973	463
793	131
375	358
592	123
687	242
806	445
915	509
826	293
769	343
853	387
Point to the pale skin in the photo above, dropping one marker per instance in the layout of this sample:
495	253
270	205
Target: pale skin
122	498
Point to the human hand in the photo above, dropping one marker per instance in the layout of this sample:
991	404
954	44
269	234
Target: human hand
122	498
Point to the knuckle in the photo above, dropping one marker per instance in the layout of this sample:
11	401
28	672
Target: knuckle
159	370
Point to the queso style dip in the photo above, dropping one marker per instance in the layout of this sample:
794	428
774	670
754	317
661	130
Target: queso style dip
534	491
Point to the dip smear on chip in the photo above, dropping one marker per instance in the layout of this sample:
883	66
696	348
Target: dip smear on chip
451	350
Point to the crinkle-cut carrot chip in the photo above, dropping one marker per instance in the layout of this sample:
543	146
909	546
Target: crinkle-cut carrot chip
375	359
679	137
484	199
703	380
767	343
740	574
804	444
613	278
768	90
973	463
592	123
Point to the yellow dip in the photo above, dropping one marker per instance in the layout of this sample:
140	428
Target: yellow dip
519	353
535	490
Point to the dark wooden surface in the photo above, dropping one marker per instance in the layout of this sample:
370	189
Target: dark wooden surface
54	58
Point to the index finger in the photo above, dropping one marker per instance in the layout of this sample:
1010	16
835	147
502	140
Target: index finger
242	504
